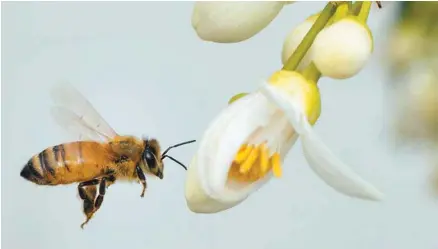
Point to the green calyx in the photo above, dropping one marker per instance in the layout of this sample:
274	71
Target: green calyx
236	97
358	11
311	73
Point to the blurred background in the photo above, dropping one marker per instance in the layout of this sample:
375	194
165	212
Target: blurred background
412	63
143	67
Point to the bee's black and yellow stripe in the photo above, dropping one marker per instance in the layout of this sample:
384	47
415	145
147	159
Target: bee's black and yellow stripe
66	163
41	168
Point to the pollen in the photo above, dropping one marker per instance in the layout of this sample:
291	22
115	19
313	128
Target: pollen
253	162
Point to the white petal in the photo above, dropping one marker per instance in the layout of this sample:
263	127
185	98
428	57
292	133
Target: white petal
250	117
291	107
341	50
205	185
229	22
197	199
333	171
329	168
224	138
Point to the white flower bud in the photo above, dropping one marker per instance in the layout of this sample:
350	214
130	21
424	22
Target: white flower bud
341	50
230	22
294	38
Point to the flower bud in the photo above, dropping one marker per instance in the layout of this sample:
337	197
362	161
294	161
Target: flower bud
230	22
294	38
342	49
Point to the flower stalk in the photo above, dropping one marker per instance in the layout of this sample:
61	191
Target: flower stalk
306	43
341	11
357	6
364	11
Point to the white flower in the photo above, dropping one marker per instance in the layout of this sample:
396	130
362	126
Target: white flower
342	49
247	142
229	22
294	38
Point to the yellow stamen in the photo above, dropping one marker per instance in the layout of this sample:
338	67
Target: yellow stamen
276	165
243	153
264	161
250	160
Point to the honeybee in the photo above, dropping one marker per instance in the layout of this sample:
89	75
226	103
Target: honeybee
98	158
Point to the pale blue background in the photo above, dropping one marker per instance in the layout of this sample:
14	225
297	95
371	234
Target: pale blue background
146	71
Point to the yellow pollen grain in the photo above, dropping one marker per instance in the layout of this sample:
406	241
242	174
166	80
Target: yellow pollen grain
250	160
276	165
243	153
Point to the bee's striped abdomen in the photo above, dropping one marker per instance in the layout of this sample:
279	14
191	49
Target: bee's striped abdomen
59	154
42	168
66	163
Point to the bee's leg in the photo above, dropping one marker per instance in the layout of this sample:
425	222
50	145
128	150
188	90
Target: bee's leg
87	192
83	186
102	190
92	204
88	204
110	180
142	179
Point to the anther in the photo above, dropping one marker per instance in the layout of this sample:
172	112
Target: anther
276	165
243	153
264	160
250	160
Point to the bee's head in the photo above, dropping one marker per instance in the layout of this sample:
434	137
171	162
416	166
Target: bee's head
152	158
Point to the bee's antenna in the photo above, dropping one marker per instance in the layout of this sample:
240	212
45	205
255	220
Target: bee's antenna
164	155
173	159
174	146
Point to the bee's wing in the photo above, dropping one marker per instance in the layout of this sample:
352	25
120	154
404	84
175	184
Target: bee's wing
74	124
77	115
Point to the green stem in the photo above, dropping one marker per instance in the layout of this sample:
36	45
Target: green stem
364	11
356	7
340	13
350	6
312	73
306	43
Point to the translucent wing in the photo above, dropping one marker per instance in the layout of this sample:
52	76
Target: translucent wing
74	124
77	115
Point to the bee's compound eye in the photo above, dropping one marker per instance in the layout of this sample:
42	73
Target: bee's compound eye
150	159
